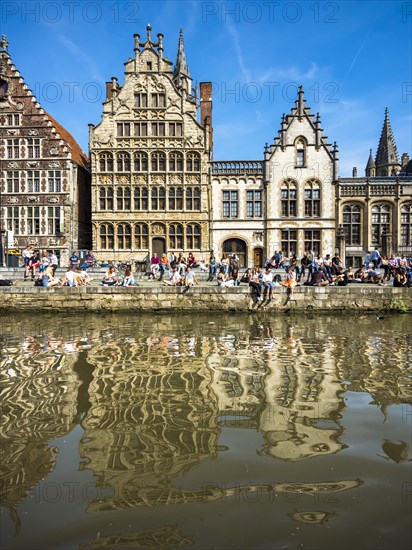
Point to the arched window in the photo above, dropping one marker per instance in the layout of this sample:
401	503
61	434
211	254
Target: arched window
176	198
289	198
158	162
106	198
300	152
176	162
381	220
406	225
140	162
141	236
124	236
193	162
107	236
158	198
312	199
176	236
123	162
141	198
351	216
193	241
106	162
123	198
193	198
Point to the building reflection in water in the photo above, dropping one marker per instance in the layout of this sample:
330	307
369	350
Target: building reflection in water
153	394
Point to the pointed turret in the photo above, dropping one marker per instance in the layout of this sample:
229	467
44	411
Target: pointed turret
387	159
181	74
370	170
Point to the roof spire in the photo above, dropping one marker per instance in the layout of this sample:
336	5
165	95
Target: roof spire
387	159
370	169
181	74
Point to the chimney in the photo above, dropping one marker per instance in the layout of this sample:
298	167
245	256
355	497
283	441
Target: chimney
206	111
109	91
354	172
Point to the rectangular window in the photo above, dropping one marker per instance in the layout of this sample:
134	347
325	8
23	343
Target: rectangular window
11	119
253	204
13	181
230	204
300	157
123	129
13	148
140	129
13	219
175	129
33	181
140	100
289	203
289	242
158	129
158	101
33	220
53	220
312	203
33	148
312	240
55	181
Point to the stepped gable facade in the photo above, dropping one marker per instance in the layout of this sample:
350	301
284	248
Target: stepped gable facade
44	176
376	210
150	159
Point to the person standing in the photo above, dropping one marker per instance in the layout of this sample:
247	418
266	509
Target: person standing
375	258
54	261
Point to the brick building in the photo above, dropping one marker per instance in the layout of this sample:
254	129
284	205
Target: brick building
44	176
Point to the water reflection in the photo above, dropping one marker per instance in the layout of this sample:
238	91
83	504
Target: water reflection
154	396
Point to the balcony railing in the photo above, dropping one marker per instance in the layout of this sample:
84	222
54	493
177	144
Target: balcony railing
237	167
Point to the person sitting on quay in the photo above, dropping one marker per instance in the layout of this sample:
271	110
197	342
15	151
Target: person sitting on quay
163	265
54	261
359	275
81	276
89	260
222	276
70	277
255	284
27	254
373	276
290	281
74	260
110	279
181	263
154	266
48	280
34	262
190	279
191	260
399	278
392	265
319	278
176	278
44	261
128	279
267	282
212	267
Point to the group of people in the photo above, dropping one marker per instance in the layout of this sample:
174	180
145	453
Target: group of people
166	262
113	277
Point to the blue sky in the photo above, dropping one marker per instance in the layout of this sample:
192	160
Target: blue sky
352	58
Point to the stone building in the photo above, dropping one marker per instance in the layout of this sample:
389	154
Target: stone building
376	210
150	159
44	176
284	202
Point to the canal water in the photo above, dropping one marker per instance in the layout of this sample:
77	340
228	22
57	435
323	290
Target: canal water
205	431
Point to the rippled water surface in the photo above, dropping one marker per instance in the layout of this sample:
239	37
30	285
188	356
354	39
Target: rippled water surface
206	432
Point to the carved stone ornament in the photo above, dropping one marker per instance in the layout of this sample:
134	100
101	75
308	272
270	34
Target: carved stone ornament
106	179
158	229
54	151
19	105
158	180
54	164
33	164
12	200
13	164
123	179
12	132
192	179
141	178
53	200
175	179
33	132
33	199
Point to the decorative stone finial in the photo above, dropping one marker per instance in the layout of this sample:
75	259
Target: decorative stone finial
4	43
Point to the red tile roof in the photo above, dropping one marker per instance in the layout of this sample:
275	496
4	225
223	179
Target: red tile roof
78	156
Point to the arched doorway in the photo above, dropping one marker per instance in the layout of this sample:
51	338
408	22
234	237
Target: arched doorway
159	246
238	247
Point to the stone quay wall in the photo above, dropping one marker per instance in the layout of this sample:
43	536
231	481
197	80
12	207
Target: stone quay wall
216	299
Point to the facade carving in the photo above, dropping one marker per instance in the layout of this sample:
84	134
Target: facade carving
44	178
